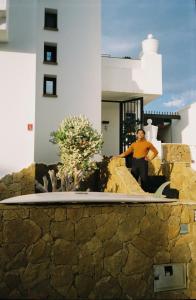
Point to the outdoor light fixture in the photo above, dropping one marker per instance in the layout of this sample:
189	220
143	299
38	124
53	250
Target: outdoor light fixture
105	125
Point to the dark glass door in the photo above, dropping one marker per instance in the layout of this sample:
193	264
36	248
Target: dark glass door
131	119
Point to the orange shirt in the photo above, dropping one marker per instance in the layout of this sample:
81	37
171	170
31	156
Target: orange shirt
140	149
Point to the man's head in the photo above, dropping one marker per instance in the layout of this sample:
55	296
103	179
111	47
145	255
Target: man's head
140	134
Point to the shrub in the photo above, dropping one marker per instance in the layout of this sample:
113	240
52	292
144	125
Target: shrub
78	142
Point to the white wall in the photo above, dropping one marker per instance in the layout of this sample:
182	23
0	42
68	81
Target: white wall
17	82
21	26
110	112
17	99
78	71
183	131
78	77
151	74
132	77
117	74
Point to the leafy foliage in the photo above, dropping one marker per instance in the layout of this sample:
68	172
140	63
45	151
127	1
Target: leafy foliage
78	142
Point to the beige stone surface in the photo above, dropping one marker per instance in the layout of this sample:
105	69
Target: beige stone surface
62	278
63	230
120	179
176	152
113	264
109	229
20	183
84	285
137	261
181	253
173	227
37	252
45	255
107	288
85	229
93	245
60	215
134	287
62	250
185	215
34	274
176	167
162	257
21	231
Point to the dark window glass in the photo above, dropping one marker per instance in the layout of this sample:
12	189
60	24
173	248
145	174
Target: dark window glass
50	19
50	53
50	85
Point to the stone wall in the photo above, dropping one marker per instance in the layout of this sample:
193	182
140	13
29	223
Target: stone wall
176	166
120	179
114	176
94	251
20	183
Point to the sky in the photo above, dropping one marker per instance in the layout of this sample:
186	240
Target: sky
125	23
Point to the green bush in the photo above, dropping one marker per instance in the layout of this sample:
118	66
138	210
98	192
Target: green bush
78	142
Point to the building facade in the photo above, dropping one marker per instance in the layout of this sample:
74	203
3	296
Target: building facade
183	129
51	67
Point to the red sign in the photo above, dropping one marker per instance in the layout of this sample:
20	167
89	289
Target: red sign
30	127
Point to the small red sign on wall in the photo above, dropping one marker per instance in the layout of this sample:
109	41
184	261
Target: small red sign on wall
30	127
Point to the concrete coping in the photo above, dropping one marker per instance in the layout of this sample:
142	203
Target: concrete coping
84	197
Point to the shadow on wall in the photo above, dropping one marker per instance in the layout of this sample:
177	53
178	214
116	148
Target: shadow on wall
179	125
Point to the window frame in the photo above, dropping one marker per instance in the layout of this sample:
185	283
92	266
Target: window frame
54	61
54	12
52	78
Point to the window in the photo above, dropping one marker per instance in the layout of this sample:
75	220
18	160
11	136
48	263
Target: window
50	19
49	85
50	53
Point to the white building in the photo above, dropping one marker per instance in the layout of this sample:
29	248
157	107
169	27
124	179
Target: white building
183	130
124	80
51	67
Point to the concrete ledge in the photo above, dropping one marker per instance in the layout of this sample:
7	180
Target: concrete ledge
84	197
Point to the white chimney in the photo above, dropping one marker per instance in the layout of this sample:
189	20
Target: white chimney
150	45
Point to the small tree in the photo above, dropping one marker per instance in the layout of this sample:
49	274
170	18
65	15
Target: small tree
78	142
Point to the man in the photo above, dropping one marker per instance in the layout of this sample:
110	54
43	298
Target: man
140	150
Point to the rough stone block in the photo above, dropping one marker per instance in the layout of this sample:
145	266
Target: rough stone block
63	230
61	253
85	229
21	231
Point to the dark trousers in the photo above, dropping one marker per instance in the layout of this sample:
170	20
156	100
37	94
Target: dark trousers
140	169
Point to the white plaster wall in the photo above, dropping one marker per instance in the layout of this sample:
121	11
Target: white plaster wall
17	82
3	4
22	26
183	131
117	74
150	79
17	98
142	77
78	71
110	112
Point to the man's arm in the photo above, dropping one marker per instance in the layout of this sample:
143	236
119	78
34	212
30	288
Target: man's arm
126	153
154	151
